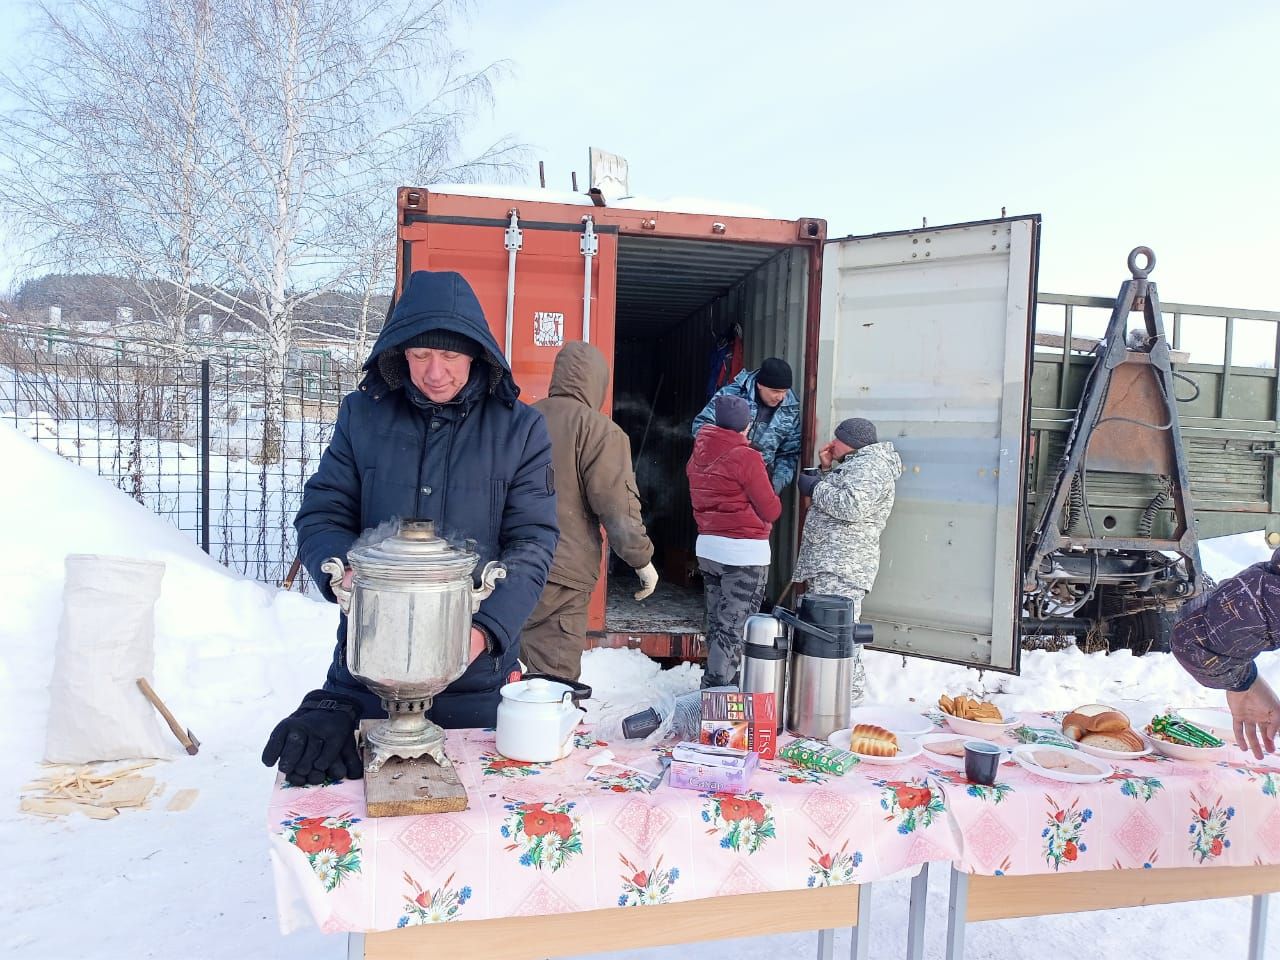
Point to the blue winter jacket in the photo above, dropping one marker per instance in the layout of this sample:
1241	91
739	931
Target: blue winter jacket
778	442
479	465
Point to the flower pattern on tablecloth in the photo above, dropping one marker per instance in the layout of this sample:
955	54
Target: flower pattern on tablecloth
828	869
911	804
625	781
1208	828
441	905
331	845
642	888
1267	780
496	765
545	834
743	821
1064	836
588	741
1135	786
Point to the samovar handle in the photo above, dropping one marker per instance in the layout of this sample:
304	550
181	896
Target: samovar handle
336	570
492	573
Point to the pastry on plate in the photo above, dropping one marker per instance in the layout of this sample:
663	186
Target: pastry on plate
873	741
1095	718
967	708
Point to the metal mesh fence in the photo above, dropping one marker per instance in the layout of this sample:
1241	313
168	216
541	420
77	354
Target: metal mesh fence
220	446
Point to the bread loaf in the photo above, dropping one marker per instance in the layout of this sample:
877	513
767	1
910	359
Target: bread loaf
873	741
1094	718
1125	741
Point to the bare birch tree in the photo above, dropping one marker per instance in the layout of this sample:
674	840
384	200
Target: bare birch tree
227	156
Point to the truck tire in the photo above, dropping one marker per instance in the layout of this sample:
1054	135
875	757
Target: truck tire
1142	633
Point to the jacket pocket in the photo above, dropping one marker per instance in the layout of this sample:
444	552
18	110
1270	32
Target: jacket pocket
497	504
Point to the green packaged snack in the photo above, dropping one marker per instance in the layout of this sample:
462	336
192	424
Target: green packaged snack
816	755
1045	736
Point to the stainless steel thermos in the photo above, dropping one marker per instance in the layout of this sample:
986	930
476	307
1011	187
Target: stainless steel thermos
764	660
822	655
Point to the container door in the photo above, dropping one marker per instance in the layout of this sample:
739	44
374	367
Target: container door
549	283
548	308
928	334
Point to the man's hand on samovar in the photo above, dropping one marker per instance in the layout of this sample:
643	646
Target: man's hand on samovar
317	741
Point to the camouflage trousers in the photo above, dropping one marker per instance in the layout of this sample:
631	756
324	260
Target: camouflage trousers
732	595
840	587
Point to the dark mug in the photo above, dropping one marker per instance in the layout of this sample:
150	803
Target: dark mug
981	761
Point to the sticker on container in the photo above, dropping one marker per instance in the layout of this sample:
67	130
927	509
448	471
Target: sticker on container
548	329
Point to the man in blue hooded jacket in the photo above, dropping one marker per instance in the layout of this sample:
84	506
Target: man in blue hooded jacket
436	431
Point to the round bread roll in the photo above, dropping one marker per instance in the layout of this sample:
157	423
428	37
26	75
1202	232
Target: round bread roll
1093	718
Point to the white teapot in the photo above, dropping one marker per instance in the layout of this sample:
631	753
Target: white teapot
537	717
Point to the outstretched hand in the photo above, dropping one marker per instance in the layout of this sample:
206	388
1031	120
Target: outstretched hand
1256	713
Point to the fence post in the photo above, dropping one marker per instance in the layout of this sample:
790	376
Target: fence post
204	455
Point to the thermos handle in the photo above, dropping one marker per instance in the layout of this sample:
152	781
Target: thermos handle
787	617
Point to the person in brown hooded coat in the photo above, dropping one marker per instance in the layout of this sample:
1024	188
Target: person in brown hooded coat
595	486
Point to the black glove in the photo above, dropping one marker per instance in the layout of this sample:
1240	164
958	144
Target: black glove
317	740
806	482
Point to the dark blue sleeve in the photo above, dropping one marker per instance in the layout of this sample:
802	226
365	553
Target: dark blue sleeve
328	521
708	415
527	540
1216	641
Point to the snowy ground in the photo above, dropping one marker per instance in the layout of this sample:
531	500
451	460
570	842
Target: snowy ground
233	656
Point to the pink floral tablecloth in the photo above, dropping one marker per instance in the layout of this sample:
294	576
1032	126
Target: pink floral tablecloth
541	839
1152	812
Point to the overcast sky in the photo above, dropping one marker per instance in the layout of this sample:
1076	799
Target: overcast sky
1123	124
1155	123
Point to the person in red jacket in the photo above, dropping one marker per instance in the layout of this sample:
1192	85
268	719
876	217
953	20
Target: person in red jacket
735	506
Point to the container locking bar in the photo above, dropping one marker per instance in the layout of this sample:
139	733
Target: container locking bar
589	246
513	241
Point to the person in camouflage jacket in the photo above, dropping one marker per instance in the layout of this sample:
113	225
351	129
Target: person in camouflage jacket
852	497
774	429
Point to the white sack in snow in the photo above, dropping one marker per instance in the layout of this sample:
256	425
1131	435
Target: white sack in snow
106	641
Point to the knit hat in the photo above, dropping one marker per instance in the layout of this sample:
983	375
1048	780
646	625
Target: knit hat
774	374
856	432
444	340
732	413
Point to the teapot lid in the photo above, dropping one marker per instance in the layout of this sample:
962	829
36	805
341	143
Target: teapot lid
536	690
414	552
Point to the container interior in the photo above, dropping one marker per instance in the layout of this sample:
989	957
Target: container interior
676	300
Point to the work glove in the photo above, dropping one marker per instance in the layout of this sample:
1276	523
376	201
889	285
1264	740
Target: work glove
806	482
317	740
648	581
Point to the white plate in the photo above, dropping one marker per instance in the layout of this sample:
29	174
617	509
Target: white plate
956	763
978	729
908	748
1180	751
894	719
1217	722
1117	754
1022	754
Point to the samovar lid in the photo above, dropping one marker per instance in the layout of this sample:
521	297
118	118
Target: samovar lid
413	553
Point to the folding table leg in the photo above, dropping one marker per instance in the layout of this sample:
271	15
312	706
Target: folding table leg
355	946
957	907
916	914
860	945
1258	928
826	944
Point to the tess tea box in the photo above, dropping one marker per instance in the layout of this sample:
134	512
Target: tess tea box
698	766
744	721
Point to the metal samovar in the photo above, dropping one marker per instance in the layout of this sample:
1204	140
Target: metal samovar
409	612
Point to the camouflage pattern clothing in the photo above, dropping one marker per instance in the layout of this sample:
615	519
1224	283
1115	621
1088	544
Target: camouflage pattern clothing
850	507
840	587
732	595
777	437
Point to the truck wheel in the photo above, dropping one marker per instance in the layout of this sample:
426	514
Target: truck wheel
1142	633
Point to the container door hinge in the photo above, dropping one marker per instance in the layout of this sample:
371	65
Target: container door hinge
590	246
